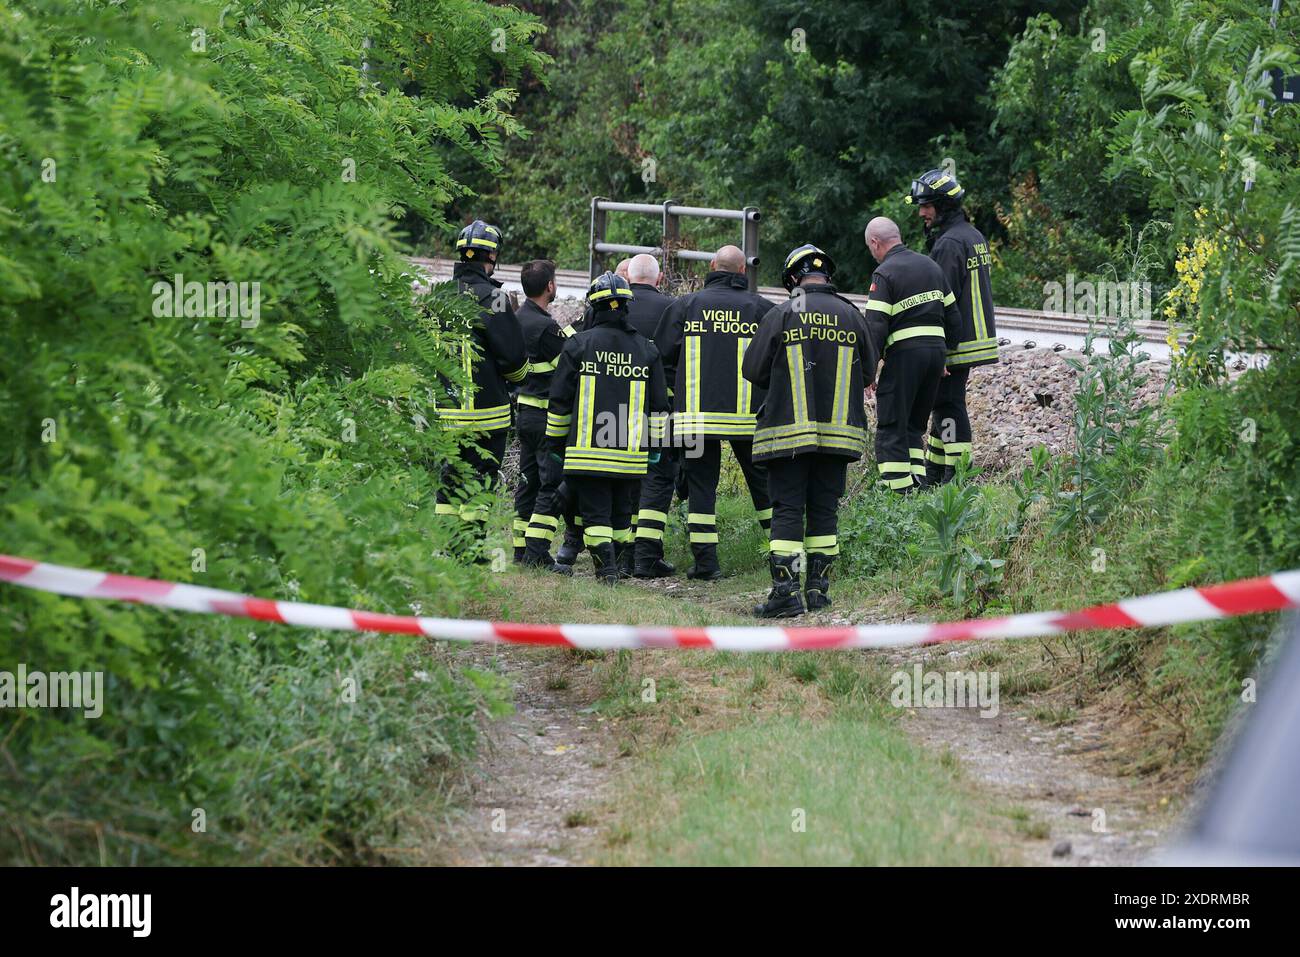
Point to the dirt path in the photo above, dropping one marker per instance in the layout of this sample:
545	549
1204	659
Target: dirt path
541	771
546	770
1078	815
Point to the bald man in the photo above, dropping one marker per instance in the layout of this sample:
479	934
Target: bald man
702	338
916	319
622	268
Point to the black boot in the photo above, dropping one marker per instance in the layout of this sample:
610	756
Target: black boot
949	473
572	546
519	554
537	555
706	562
602	556
783	601
623	553
817	581
650	560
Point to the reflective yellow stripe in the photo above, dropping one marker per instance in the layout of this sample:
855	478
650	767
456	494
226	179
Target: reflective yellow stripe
783	546
704	538
635	407
977	305
798	387
544	366
586	411
949	299
743	387
597	535
933	295
764	514
699	518
650	515
533	400
692	349
843	376
912	333
877	305
467	366
557	426
894	467
518	375
655	534
825	544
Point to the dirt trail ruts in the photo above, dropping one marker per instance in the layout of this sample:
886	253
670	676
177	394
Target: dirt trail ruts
546	770
1091	817
541	772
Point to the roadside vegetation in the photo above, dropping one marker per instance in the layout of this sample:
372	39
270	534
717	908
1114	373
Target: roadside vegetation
292	452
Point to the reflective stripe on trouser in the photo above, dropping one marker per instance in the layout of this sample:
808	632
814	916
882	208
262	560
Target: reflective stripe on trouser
806	491
481	460
605	505
656	498
530	426
703	466
905	397
950	432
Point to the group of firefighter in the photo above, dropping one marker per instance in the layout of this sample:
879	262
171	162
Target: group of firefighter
617	413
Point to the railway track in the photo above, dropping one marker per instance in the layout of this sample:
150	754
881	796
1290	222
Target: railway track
1024	327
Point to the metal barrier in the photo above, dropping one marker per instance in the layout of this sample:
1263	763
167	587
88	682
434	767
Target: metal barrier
670	245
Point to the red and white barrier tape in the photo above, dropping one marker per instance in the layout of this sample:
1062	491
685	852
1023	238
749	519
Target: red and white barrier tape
1269	593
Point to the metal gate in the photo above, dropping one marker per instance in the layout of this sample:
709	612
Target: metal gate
670	244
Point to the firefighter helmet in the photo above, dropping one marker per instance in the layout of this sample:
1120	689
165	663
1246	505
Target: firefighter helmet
478	240
935	187
609	291
803	260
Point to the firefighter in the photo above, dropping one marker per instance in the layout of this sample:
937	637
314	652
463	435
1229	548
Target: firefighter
962	253
917	320
814	356
702	338
609	380
493	358
644	313
539	474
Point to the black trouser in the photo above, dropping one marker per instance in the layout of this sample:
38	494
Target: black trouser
950	433
606	505
454	492
550	503
703	465
655	500
806	492
530	424
905	396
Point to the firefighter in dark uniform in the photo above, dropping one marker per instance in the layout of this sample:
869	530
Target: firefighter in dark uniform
493	359
962	253
814	356
702	338
539	474
916	321
644	313
607	386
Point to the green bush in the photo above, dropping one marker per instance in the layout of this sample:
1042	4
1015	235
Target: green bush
287	451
